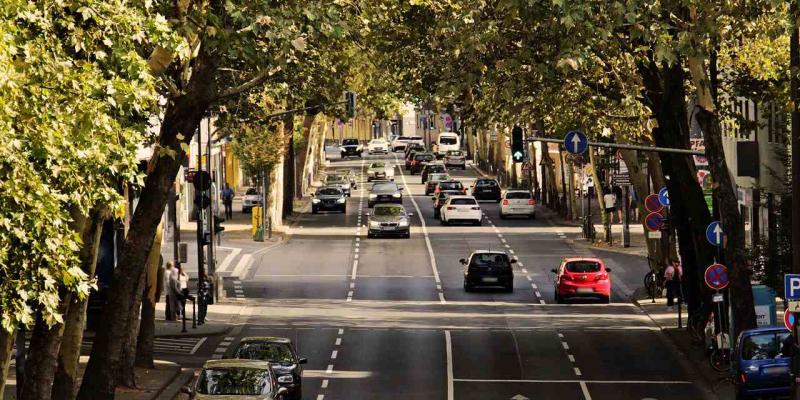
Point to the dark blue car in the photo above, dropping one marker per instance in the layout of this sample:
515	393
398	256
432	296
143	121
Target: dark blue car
763	361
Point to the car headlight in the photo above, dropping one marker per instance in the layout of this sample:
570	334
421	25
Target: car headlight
373	196
340	201
403	222
374	224
396	195
315	201
285	379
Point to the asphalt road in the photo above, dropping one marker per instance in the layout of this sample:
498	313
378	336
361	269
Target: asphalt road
389	319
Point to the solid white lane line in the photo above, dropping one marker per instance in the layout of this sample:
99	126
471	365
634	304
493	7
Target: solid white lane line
449	352
573	381
585	390
197	346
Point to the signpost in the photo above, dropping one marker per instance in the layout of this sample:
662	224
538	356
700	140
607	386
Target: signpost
714	233
576	142
716	276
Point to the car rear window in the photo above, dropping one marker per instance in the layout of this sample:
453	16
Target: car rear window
463	202
518	195
349	142
435	168
450	185
251	191
764	346
489	259
438	177
582	267
448	140
423	157
489	183
377	165
384	186
329	192
272	352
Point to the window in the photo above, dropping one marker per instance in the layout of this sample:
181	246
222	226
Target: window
350	142
450	185
764	346
424	157
251	191
394	211
486	183
329	192
378	165
489	259
448	140
518	195
438	177
435	168
334	179
462	202
583	267
234	381
272	352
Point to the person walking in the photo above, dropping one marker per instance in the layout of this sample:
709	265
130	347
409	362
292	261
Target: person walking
173	292
169	311
609	201
672	280
227	200
183	286
618	202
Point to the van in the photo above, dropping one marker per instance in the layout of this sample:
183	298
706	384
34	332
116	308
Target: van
447	141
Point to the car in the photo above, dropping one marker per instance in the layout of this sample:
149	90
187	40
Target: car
410	155
351	148
439	199
414	147
282	357
401	142
419	160
487	268
235	378
432	168
455	159
433	180
517	202
763	360
486	189
329	198
450	185
582	277
447	141
339	180
388	220
385	192
351	176
378	146
380	170
460	209
251	199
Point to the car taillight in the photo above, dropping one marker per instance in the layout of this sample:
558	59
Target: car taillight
438	189
742	378
413	162
451	208
601	277
531	202
463	190
476	208
505	202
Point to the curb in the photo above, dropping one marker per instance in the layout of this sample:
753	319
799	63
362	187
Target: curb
172	380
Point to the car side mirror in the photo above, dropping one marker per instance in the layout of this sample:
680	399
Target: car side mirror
608	269
302	361
555	271
186	390
463	261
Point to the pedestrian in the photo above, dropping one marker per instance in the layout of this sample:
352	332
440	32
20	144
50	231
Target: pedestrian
672	280
174	292
618	200
227	200
634	203
183	285
609	201
169	312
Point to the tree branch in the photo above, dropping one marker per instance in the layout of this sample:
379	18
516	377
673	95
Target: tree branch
257	80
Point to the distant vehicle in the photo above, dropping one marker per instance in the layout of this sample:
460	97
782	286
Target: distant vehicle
419	161
460	209
447	141
486	268
439	199
240	379
350	174
251	199
281	355
486	189
401	142
433	181
385	192
329	198
410	153
432	168
351	148
380	170
517	202
450	185
455	159
389	220
763	363
582	277
339	180
378	146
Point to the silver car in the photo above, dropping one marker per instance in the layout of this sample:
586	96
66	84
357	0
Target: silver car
339	181
389	220
379	171
455	159
351	176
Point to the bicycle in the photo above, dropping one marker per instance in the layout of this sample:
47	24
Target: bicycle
720	357
654	284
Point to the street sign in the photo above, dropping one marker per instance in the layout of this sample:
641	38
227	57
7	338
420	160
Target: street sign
714	233
654	235
788	319
716	276
717	298
654	221
621	179
791	286
576	142
663	197
652	204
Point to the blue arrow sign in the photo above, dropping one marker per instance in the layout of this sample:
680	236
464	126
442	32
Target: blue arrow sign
714	233
576	142
663	196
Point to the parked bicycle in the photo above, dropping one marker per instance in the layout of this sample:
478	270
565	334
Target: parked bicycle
720	356
654	283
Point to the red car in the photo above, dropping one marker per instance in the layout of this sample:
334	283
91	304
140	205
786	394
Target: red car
582	277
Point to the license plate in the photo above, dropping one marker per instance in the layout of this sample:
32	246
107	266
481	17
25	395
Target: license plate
463	210
486	190
585	290
388	228
775	370
489	279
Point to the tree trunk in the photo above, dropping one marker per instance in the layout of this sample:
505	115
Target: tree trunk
40	366
288	166
65	383
639	182
6	345
182	116
146	338
302	153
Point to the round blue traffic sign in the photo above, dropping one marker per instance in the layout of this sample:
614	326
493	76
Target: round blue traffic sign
663	196
654	221
576	142
714	233
716	276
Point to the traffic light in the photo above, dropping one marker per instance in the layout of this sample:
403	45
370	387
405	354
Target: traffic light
517	145
350	104
218	225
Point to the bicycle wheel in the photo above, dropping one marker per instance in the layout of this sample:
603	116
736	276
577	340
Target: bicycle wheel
720	360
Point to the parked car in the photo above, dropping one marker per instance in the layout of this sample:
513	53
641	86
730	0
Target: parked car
378	146
450	185
251	199
455	159
461	209
380	170
486	268
329	198
582	277
433	180
226	379
439	199
351	176
447	141
431	168
486	189
339	180
385	192
517	202
351	148
389	220
281	355
763	360
419	161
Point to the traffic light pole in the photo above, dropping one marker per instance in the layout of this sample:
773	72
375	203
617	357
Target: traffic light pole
201	273
210	220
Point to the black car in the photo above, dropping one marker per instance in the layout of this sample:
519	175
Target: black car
420	160
432	168
351	148
389	220
486	189
486	268
410	152
439	198
385	192
280	353
329	198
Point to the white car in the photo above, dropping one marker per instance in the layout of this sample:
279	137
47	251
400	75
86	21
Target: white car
378	146
400	143
461	208
251	199
517	202
447	141
380	171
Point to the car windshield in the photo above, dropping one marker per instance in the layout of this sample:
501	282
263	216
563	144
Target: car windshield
454	153
384	187
423	157
393	211
329	192
518	195
450	185
463	202
489	259
234	381
764	346
334	178
448	140
489	183
438	177
582	267
349	142
265	351
435	168
343	172
251	191
378	165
